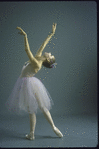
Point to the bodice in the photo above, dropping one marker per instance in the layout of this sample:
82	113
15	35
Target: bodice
27	71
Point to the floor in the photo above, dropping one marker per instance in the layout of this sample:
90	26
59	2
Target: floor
78	131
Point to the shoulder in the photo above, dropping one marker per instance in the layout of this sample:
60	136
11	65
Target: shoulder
38	63
38	57
35	67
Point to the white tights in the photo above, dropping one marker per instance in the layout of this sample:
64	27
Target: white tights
33	124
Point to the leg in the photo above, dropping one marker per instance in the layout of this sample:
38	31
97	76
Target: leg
32	126
49	119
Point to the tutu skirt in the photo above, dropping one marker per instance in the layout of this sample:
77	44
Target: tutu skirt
28	94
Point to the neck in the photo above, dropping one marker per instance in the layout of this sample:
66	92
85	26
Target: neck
42	58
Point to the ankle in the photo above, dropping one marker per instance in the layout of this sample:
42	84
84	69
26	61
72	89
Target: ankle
31	132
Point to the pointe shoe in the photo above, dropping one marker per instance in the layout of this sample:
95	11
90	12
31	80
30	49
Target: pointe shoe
58	133
30	136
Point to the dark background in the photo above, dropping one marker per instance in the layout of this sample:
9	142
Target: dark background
73	84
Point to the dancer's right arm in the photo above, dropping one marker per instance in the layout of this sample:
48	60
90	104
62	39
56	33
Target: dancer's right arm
27	47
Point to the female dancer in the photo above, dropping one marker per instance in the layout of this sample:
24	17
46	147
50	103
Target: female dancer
29	92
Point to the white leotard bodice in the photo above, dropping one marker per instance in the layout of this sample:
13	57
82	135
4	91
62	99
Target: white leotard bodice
27	71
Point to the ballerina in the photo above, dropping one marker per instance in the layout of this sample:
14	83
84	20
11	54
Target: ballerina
29	93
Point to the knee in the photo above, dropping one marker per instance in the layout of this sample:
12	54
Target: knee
44	109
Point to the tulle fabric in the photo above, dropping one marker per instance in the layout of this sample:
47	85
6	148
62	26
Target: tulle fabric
28	94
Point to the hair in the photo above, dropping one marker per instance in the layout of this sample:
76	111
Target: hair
48	64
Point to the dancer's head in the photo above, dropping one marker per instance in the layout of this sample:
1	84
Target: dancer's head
49	60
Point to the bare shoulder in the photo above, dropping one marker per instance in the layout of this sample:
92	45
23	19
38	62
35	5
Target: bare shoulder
38	58
38	64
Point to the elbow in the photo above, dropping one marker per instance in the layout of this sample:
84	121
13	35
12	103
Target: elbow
27	49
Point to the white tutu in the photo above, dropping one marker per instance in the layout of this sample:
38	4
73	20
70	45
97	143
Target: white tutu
28	94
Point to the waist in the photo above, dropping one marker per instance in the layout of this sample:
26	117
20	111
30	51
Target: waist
27	71
27	75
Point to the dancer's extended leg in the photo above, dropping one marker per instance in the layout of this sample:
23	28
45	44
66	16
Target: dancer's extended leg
32	126
49	119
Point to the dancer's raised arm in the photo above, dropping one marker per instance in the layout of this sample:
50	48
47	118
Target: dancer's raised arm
27	47
39	52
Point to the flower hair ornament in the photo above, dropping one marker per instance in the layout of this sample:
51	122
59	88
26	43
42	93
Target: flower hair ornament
53	65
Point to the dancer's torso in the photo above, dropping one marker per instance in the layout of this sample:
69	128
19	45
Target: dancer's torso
27	71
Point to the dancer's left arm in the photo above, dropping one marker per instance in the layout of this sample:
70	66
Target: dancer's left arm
39	52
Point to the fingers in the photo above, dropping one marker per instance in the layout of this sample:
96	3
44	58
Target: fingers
22	32
54	24
18	28
54	27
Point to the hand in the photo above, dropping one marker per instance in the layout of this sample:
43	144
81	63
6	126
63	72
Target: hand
54	27
22	32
